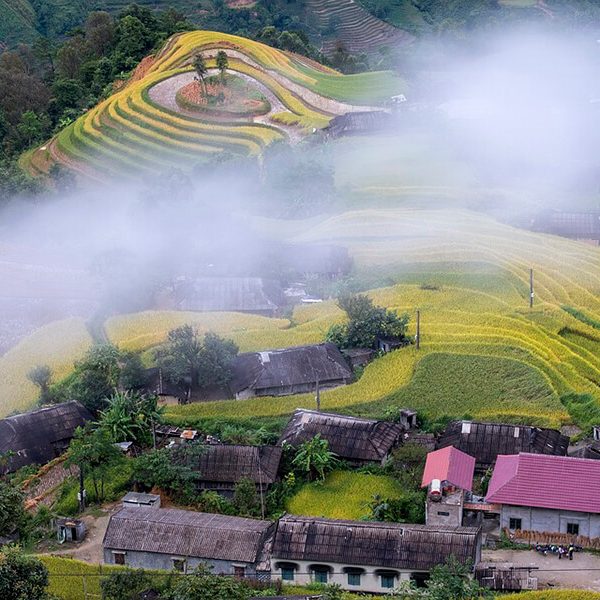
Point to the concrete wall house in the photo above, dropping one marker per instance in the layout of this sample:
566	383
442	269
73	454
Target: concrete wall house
296	370
358	441
485	441
222	466
166	538
365	557
447	476
547	494
39	436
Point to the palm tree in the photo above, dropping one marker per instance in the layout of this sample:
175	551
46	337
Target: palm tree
222	64
201	69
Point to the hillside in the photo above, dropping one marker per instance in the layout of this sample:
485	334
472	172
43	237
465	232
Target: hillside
18	22
144	127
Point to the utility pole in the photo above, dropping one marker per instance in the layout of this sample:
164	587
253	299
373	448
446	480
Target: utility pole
530	288
81	495
418	336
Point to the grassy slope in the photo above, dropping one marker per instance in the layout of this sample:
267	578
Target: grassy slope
58	345
17	22
321	499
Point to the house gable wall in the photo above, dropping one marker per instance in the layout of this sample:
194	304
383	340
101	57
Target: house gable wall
550	520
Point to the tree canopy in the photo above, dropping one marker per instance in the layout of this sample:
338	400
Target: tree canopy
22	577
366	323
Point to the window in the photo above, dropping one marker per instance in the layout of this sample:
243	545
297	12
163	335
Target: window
119	558
353	578
388	580
287	573
443	513
573	528
239	572
321	575
179	564
515	523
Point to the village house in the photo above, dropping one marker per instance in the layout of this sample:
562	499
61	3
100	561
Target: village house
485	441
296	370
232	294
357	441
222	466
447	476
39	436
168	392
365	557
168	538
552	494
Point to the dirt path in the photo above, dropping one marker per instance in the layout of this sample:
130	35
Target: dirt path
583	572
165	92
90	550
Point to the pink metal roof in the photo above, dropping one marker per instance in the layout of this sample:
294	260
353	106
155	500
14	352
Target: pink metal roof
451	465
557	482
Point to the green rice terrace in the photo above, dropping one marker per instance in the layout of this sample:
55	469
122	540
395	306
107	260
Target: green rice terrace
150	125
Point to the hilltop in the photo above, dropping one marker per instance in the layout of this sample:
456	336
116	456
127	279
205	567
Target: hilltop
146	125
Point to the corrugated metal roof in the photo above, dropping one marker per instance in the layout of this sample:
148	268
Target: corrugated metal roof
451	465
485	441
350	438
557	482
186	533
387	545
40	435
289	367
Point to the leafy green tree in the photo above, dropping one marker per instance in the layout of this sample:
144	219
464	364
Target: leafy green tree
127	584
366	322
32	128
42	377
314	457
96	377
203	362
245	498
22	577
409	508
71	56
12	509
199	64
135	38
94	452
452	581
408	464
99	32
222	64
131	417
205	586
172	470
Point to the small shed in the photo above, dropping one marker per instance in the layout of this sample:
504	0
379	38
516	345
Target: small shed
136	499
389	344
358	357
70	530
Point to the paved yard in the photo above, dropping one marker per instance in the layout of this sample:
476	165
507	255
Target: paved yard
582	572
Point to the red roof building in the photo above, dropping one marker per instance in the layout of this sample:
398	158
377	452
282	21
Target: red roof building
549	482
451	465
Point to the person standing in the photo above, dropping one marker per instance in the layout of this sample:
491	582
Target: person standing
571	550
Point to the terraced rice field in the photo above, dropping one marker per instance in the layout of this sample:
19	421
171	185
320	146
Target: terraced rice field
354	27
141	128
468	275
58	345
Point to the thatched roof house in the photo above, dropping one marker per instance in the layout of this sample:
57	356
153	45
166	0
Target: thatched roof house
289	371
221	466
358	441
39	436
365	556
167	538
237	294
485	441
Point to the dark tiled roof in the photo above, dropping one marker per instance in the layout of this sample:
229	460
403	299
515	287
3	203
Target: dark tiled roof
289	367
230	463
387	545
569	224
157	383
40	435
186	533
249	294
349	437
486	441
